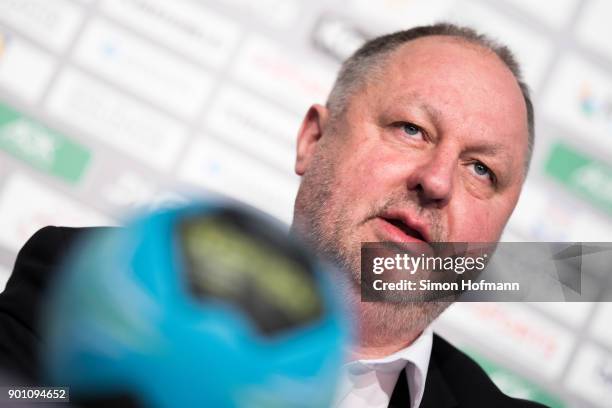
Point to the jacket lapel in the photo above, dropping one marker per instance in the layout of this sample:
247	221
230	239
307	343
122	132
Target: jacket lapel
401	394
437	392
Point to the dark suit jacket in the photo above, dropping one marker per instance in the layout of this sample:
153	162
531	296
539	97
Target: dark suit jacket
453	379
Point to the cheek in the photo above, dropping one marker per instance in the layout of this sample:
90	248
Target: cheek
478	221
369	175
361	183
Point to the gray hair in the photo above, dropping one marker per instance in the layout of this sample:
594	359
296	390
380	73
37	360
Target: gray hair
369	56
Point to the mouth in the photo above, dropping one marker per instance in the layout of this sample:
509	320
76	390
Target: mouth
399	230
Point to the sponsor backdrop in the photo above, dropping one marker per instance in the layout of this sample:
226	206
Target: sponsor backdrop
107	106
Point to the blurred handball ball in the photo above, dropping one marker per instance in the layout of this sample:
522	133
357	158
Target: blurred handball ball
208	305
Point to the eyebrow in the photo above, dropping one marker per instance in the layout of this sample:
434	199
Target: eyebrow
414	99
489	149
494	151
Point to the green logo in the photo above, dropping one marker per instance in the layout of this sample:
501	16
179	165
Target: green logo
586	177
40	147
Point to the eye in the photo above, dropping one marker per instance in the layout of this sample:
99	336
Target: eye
481	170
412	130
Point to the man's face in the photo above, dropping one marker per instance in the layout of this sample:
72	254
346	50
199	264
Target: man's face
431	148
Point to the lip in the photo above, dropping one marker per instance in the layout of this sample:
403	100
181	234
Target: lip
416	231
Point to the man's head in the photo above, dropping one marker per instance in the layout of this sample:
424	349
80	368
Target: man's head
426	136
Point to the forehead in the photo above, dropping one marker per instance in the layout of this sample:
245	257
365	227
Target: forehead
455	78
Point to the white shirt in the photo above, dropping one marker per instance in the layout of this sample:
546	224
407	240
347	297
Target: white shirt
370	383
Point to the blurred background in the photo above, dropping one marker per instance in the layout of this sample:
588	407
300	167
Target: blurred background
107	106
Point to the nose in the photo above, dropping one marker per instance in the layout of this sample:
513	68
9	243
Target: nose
433	178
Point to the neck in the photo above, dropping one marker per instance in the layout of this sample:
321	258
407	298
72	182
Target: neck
372	348
383	329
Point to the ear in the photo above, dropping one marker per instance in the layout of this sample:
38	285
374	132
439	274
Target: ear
309	135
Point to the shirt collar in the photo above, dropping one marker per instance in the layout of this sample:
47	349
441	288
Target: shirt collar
414	359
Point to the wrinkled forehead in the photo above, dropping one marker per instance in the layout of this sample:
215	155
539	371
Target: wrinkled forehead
448	65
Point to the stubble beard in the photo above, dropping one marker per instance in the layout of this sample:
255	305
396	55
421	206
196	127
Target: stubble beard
327	229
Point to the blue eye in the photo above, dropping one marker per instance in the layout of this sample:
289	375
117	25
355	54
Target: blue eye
412	130
481	169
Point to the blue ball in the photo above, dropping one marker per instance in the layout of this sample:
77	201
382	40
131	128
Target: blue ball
208	305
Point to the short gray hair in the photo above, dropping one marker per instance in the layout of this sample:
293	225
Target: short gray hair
370	56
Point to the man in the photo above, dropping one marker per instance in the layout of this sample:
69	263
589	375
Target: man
426	136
